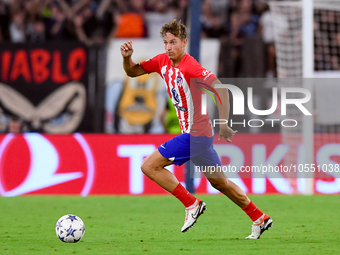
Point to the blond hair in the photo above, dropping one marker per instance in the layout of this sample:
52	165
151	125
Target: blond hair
176	28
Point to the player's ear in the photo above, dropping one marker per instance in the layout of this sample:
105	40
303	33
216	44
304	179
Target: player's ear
185	41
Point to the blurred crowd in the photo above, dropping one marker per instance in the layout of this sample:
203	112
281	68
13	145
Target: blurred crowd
96	21
90	21
46	20
232	21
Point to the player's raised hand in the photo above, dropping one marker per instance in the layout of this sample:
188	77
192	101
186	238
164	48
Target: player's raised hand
126	49
226	132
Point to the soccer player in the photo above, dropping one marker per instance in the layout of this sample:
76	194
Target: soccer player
177	69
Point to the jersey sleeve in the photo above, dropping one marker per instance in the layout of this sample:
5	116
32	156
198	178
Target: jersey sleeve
201	79
152	64
195	71
204	74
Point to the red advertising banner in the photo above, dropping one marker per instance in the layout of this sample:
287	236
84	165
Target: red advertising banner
100	164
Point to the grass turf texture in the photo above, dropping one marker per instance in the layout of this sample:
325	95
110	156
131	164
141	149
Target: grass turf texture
151	225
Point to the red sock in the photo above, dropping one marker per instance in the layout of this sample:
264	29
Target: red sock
183	195
252	211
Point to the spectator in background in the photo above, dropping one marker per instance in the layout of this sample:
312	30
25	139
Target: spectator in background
14	125
35	25
158	14
17	27
130	20
94	24
218	7
89	19
180	8
266	29
212	23
244	23
85	24
138	6
32	8
58	26
4	22
36	30
15	4
247	22
130	25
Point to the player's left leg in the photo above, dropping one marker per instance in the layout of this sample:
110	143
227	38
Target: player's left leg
218	180
228	188
261	221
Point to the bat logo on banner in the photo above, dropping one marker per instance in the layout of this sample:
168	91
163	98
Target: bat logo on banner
61	112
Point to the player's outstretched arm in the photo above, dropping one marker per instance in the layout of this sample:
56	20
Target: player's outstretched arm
131	68
223	111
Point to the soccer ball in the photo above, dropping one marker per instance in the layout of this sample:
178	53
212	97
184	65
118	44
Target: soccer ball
70	228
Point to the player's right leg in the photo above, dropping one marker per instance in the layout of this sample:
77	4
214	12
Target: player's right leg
154	168
175	152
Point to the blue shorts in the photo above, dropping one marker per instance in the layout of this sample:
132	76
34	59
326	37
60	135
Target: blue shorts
185	146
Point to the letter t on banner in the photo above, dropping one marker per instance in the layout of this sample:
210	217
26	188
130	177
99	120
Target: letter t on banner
136	154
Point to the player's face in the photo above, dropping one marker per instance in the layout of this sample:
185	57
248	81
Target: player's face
174	47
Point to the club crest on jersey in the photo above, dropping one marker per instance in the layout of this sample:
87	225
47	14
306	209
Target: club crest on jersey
175	95
179	81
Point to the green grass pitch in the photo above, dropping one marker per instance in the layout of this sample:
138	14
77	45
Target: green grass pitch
151	225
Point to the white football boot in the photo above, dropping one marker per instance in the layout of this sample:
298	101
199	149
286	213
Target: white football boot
192	213
259	226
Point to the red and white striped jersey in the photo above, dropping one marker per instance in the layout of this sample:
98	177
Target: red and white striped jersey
185	98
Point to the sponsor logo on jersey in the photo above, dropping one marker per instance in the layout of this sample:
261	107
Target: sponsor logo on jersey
206	74
175	95
181	108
